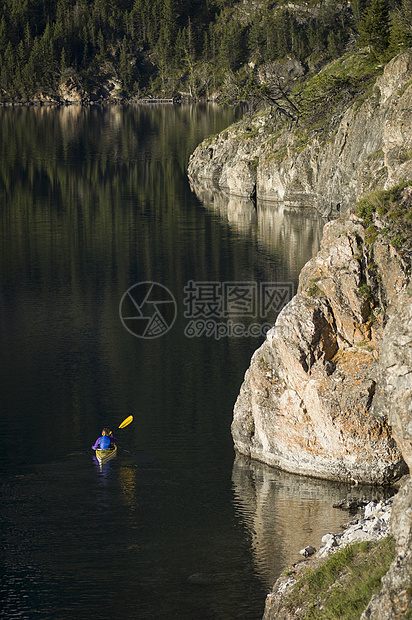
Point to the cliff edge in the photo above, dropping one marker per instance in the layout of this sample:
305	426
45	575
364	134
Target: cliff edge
317	397
325	165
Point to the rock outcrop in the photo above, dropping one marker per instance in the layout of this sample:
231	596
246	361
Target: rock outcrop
71	90
392	402
106	88
306	404
394	398
370	148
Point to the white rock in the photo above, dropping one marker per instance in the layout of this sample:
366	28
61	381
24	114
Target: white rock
370	509
357	536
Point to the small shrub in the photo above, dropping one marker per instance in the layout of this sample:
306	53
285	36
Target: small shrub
365	291
365	210
250	133
313	290
379	154
371	233
394	208
405	155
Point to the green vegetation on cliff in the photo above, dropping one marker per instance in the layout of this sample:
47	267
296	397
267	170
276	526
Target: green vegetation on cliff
343	585
173	46
393	209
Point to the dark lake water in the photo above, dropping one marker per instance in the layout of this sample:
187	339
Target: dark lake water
93	202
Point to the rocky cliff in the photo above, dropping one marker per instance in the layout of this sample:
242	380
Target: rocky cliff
329	393
392	399
370	146
312	402
308	403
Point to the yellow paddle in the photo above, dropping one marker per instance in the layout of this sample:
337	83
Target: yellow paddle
126	422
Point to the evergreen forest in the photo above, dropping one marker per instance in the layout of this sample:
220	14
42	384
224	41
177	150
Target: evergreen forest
182	47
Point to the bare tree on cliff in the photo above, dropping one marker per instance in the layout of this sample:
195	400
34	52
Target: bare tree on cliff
270	90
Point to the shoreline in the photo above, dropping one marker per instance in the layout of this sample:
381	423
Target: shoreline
372	525
103	102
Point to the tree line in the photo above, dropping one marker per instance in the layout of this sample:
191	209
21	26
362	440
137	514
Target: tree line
171	46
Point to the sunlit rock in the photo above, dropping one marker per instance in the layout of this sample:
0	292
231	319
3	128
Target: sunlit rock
367	149
306	402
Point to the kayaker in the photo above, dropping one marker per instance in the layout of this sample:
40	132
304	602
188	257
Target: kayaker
105	441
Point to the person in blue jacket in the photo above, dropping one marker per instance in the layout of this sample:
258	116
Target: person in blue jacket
105	441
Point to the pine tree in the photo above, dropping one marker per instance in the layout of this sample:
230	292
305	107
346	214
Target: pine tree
21	55
28	78
63	61
3	35
316	37
333	44
125	72
255	38
357	10
4	75
168	24
232	46
179	48
298	40
100	42
190	58
9	58
374	26
401	27
283	28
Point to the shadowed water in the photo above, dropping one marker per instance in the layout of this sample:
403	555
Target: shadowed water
94	201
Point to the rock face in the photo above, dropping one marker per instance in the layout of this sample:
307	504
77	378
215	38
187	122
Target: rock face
306	404
71	90
394	399
394	393
369	148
